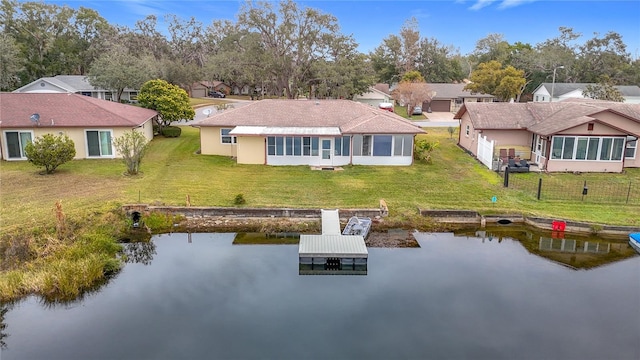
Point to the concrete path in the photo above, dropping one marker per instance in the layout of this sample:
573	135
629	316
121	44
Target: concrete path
438	119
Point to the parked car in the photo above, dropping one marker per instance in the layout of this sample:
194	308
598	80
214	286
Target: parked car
216	94
386	106
417	110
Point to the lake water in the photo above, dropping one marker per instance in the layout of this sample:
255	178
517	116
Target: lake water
200	297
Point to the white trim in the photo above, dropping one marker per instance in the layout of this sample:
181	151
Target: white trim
232	139
286	131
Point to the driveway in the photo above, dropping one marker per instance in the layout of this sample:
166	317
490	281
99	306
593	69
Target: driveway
438	119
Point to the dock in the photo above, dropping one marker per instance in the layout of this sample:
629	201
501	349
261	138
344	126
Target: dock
331	252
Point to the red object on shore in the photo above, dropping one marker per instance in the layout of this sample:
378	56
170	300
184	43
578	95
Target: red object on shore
558	225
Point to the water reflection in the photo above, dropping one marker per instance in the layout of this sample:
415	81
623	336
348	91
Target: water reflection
141	252
575	251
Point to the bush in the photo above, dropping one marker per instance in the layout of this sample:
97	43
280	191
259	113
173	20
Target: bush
50	151
171	131
239	200
423	149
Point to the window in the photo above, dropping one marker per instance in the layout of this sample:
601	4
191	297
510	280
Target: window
587	148
16	142
337	151
403	145
86	93
357	145
133	96
366	145
225	138
466	130
630	151
537	98
99	143
382	145
590	126
292	146
108	96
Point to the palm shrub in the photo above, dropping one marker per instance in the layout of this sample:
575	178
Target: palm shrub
50	151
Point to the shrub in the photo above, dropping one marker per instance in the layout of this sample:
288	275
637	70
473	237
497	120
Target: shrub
239	200
423	149
132	145
50	151
171	131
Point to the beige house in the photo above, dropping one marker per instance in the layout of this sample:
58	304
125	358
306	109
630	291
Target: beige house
450	97
91	123
375	95
578	135
322	133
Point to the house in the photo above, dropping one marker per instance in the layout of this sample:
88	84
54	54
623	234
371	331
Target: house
323	133
562	91
450	97
575	135
91	123
75	84
375	95
201	88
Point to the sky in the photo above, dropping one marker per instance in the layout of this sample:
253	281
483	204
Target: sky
460	23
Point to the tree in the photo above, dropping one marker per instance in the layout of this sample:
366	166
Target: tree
604	90
118	69
491	78
132	145
412	91
50	151
10	62
170	101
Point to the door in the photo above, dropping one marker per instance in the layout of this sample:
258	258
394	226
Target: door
326	151
540	149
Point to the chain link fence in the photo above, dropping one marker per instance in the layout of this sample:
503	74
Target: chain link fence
620	191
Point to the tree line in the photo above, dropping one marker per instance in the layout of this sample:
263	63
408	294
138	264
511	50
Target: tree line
287	50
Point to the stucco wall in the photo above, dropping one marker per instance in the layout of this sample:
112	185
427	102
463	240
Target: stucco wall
468	141
583	166
211	143
251	150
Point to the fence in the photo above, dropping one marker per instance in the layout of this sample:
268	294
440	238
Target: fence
591	190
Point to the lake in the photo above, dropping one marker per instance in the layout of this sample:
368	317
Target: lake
198	296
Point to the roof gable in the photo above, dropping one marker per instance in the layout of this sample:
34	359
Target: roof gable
68	110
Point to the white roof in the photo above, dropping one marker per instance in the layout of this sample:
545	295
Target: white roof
265	131
332	245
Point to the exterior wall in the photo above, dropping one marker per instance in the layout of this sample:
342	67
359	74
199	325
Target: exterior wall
468	141
78	136
583	166
42	87
251	149
619	122
382	160
542	95
211	143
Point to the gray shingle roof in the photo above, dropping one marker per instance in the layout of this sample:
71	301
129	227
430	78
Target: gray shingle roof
560	89
544	118
350	116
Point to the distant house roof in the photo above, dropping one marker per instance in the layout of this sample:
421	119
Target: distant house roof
68	83
560	89
544	118
349	116
68	110
454	91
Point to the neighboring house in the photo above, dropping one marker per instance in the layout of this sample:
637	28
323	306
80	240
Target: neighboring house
562	91
375	95
91	123
75	84
320	133
450	97
201	88
575	135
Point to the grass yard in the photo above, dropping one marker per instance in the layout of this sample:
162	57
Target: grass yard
172	170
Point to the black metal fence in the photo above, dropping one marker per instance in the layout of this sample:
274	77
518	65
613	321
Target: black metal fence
621	191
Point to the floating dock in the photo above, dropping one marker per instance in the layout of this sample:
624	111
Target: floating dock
331	252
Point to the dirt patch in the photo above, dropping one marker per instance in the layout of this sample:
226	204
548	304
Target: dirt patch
396	238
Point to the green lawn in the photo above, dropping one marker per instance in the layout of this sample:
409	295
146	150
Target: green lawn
172	170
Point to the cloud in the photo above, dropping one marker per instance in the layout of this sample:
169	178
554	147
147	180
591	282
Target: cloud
504	4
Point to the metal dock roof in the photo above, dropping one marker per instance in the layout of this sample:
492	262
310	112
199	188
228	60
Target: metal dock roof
352	246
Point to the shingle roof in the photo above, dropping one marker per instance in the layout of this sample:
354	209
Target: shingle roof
350	116
560	89
544	118
70	83
68	110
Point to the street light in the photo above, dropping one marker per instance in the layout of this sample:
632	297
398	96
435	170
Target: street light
553	82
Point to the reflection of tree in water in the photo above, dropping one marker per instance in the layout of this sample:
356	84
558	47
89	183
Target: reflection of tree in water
139	252
4	308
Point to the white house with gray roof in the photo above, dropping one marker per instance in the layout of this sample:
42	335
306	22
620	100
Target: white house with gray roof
563	91
322	133
575	135
75	84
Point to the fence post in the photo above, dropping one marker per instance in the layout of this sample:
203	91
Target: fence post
629	192
506	177
584	190
539	187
